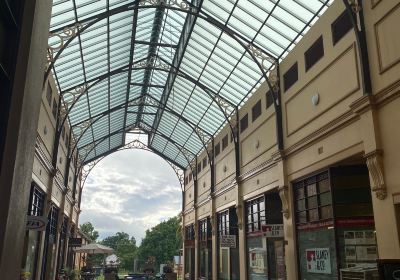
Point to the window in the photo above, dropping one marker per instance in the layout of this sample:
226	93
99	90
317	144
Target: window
270	99
198	168
190	176
204	162
48	94
314	53
217	149
256	111
63	132
54	110
223	223
204	229
244	122
341	26
225	142
255	212
189	232
290	77
313	200
186	180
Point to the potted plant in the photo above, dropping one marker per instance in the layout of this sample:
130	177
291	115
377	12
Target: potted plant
70	273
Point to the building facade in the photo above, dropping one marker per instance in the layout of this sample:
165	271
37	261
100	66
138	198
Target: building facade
325	198
55	196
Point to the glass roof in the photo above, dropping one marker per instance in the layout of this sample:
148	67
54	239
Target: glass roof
165	66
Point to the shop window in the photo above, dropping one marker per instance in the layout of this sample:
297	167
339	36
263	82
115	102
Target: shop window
265	242
54	109
228	257
255	212
313	199
48	94
189	252
225	142
32	238
256	111
290	77
204	162
217	149
314	53
205	248
341	26
344	240
189	232
244	123
270	99
198	168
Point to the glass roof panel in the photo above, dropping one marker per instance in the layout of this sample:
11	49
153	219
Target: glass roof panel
103	66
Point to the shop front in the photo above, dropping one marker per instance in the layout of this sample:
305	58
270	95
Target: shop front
265	242
205	249
50	248
335	224
33	234
189	262
228	251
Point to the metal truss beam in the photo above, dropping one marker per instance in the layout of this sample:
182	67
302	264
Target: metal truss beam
135	144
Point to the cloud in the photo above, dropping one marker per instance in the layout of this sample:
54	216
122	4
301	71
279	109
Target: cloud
130	191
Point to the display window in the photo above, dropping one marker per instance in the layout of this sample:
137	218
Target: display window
205	249
334	223
265	244
32	238
228	252
189	252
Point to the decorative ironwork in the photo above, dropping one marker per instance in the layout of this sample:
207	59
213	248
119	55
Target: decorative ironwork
204	136
154	62
184	5
82	128
60	39
257	53
135	144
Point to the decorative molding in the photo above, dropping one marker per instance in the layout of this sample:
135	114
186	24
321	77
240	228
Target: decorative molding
383	68
375	167
284	195
363	104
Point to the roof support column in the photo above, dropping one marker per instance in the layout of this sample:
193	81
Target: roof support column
355	11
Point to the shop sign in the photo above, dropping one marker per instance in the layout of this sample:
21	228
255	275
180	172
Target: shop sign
318	260
273	230
75	242
228	241
36	223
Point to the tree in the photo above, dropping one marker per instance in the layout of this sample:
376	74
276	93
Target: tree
162	242
125	248
88	229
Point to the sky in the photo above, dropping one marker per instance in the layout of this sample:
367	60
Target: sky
130	191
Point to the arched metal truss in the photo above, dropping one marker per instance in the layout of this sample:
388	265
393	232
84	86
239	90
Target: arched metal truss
73	50
204	136
135	144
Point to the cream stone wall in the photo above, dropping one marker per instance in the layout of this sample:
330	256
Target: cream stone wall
347	125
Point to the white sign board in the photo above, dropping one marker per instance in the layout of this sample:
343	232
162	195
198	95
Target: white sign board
318	260
273	230
37	223
228	241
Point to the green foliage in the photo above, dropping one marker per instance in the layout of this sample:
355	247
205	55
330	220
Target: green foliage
125	248
71	274
162	242
88	229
